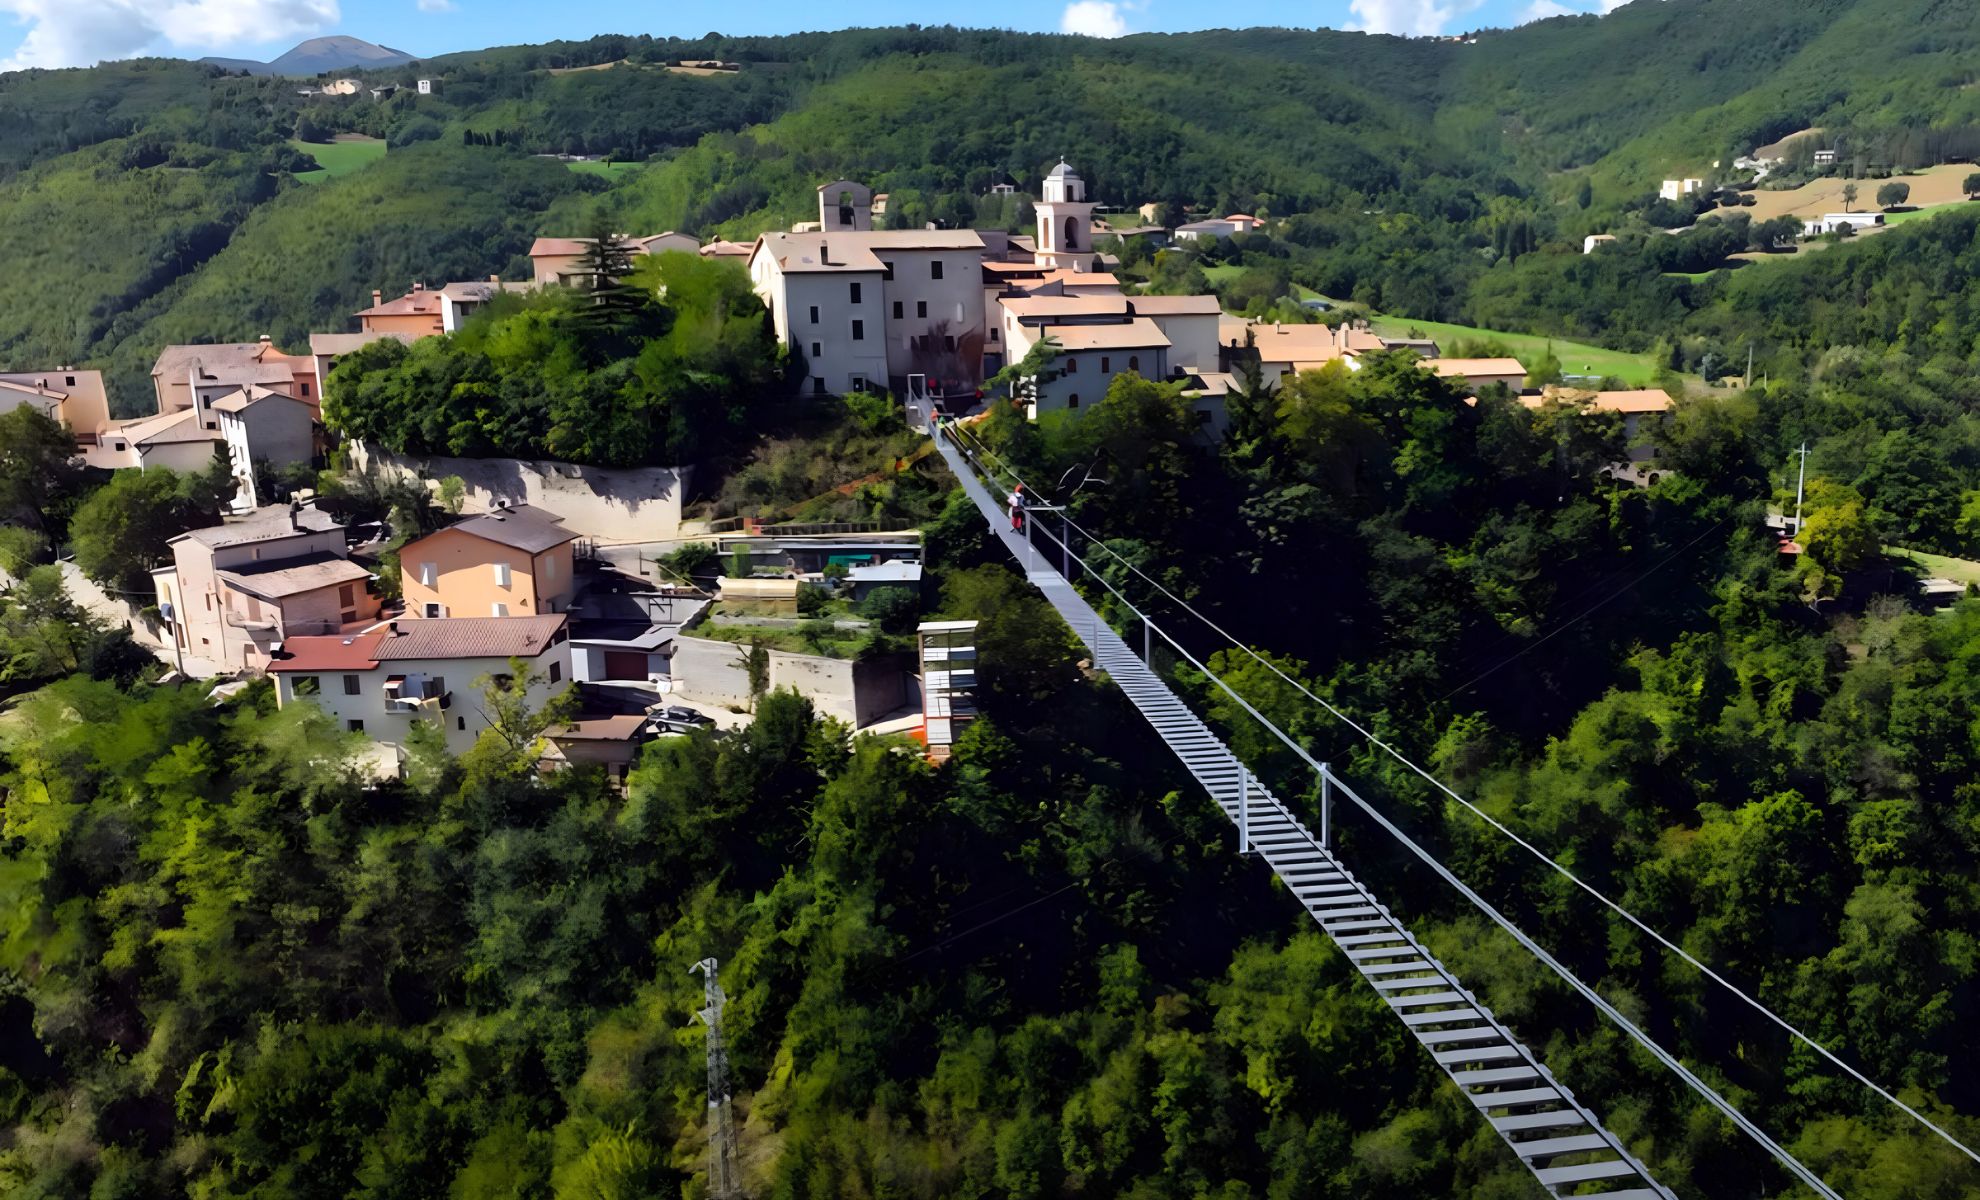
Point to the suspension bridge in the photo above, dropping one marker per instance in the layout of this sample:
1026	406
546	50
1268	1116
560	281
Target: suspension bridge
1557	1137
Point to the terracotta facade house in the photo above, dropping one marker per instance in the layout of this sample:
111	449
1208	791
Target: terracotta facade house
416	313
513	562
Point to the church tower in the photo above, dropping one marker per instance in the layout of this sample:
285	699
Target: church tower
1065	222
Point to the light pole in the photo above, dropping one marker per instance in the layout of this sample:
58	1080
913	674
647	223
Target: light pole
1800	486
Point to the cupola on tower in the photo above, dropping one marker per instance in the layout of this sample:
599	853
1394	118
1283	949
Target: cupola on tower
1065	222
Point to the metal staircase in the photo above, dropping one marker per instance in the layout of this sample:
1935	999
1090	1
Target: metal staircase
1559	1139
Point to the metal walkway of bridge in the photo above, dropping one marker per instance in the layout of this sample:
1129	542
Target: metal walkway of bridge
1563	1143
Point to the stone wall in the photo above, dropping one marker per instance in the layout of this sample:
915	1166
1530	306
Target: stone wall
637	504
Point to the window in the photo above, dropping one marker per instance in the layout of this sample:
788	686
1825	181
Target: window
556	672
347	616
858	383
306	685
347	595
814	314
993	333
305	389
549	569
859	331
1134	362
428	573
1072	401
855	291
351	684
71	380
818	386
1106	364
897	310
886	269
558	638
501	574
354	725
432	609
460	723
500	609
1072	366
949	340
1072	233
935	269
921	308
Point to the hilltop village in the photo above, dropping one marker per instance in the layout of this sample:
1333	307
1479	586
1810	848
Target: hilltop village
593	580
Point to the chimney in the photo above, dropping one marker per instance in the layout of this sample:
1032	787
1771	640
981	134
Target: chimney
392	628
418	286
825	252
295	516
377	297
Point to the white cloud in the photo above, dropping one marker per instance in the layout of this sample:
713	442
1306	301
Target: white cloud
80	33
437	6
1095	18
1540	10
1411	18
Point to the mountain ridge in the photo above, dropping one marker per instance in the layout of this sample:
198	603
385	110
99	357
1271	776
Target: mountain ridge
314	56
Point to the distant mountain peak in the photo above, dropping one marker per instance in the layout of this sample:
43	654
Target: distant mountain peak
317	55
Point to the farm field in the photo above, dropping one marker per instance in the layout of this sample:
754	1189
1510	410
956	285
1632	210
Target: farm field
349	152
1577	358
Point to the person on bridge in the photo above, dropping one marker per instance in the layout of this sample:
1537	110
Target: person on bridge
1017	509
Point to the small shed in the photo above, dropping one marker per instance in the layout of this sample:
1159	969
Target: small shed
867	578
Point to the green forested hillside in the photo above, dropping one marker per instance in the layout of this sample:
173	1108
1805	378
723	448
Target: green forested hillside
1414	165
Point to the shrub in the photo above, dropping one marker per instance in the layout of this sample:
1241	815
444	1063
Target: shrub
812	599
893	609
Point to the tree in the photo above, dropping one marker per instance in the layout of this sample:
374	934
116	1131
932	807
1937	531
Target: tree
1849	197
21	549
121	531
1025	376
756	664
515	721
1892	195
893	609
1584	193
1972	185
453	494
1546	370
603	267
1836	534
40	472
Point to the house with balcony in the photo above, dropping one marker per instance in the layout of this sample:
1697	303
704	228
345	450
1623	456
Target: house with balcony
512	562
380	681
236	592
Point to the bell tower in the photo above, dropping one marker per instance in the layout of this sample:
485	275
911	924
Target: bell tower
1065	222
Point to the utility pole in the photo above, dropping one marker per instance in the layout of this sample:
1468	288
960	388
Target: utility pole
1800	487
723	1181
1749	366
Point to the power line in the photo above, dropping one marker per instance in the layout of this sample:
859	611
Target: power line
1392	752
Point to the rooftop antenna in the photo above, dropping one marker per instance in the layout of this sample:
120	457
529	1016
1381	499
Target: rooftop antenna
723	1181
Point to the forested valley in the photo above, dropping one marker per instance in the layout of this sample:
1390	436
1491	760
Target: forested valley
233	965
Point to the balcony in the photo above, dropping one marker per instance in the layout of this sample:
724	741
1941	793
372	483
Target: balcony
416	694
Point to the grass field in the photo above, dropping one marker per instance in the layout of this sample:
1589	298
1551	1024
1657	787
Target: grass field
1577	358
1959	570
606	170
348	153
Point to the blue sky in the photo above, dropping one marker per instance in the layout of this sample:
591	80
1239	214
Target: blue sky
59	33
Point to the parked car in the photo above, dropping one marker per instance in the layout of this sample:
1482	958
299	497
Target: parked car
676	717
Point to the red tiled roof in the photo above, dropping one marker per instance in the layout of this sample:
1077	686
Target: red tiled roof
330	653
